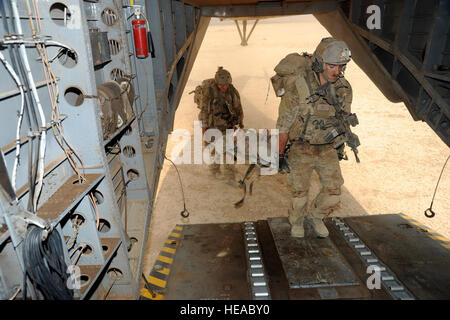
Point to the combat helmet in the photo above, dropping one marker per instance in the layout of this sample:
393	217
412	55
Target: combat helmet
331	51
223	77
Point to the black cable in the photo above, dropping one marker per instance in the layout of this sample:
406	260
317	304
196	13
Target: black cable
185	213
429	213
24	291
45	264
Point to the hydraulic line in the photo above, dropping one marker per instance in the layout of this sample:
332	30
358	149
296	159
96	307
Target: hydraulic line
40	109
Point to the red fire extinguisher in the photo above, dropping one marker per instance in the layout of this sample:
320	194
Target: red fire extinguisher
140	37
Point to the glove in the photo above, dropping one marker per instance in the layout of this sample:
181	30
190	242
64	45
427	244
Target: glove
283	166
342	155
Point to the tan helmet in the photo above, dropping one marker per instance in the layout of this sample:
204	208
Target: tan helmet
331	51
222	77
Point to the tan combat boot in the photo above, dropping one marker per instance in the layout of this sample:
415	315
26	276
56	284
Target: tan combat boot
319	227
297	230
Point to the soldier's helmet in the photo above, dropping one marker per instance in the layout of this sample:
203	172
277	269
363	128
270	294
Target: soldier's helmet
223	77
331	51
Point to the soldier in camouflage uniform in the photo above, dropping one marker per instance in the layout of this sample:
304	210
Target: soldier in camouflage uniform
305	118
220	108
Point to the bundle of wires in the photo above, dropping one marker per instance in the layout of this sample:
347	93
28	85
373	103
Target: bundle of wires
45	265
29	106
52	85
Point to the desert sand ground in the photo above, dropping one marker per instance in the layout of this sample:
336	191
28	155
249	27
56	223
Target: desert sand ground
400	159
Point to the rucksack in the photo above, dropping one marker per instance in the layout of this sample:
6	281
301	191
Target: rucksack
287	69
201	90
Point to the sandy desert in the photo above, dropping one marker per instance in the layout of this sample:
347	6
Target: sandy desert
401	159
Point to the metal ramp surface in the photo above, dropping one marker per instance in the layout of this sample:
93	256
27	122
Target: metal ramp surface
259	260
309	262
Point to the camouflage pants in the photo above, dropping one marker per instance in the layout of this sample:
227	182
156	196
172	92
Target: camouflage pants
228	169
303	159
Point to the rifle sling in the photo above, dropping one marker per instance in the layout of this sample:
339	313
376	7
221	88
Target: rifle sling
244	186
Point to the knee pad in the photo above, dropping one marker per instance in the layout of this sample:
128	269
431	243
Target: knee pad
324	204
333	191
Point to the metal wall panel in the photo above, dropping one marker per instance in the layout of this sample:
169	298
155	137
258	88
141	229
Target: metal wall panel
107	268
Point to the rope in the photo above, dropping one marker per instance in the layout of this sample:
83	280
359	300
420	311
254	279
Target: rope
185	213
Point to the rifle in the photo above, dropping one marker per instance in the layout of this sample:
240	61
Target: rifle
342	133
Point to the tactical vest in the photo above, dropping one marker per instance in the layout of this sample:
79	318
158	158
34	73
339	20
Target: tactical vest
319	119
316	117
222	108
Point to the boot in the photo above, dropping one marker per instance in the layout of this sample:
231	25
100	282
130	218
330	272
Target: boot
297	230
319	227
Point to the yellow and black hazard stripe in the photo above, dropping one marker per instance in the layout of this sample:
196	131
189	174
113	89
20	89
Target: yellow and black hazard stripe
443	241
156	281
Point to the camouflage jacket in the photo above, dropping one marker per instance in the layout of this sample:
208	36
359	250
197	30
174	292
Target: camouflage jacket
302	113
220	110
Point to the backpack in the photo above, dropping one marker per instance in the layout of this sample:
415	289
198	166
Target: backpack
201	90
287	69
